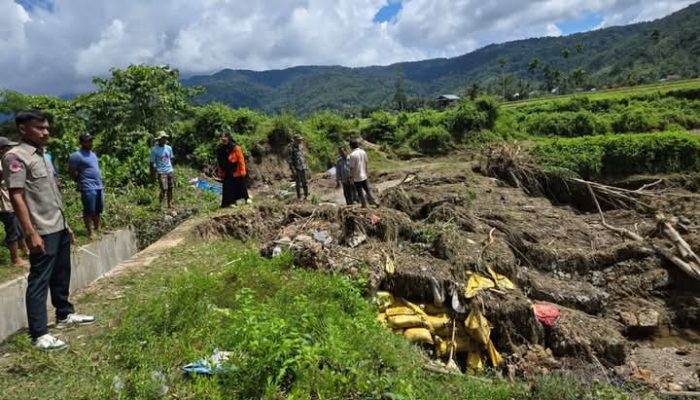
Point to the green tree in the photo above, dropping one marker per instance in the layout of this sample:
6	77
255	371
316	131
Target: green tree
502	62
552	76
400	97
533	66
577	76
133	104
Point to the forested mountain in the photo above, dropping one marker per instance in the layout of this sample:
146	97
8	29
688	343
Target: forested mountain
633	54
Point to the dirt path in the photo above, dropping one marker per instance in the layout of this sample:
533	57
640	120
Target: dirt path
336	195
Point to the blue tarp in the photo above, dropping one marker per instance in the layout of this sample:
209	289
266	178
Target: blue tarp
204	185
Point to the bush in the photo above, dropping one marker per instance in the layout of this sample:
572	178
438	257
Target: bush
381	128
618	155
432	140
566	124
637	120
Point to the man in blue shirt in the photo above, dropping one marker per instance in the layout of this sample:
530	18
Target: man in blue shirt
161	164
84	168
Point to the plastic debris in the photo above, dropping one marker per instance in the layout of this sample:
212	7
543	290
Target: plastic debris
374	219
479	328
502	282
117	384
474	363
276	251
547	314
477	283
357	240
323	237
210	365
456	304
389	266
207	186
159	378
438	291
384	300
432	325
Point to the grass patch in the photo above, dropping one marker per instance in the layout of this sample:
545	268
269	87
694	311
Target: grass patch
294	334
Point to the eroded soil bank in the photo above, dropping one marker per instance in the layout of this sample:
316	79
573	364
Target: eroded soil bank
625	313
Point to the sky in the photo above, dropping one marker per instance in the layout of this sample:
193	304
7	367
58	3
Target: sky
55	47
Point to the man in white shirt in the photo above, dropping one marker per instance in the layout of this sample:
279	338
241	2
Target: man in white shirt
358	171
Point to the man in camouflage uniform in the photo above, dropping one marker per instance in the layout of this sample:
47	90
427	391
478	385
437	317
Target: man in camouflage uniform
297	163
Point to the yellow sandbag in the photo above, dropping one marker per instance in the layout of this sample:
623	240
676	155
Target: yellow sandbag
477	283
405	321
474	363
381	318
399	310
446	331
478	327
462	345
494	355
418	335
431	309
384	300
415	307
502	282
437	322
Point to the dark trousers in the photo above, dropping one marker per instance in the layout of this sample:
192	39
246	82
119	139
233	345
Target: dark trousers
300	180
49	271
364	187
232	190
349	192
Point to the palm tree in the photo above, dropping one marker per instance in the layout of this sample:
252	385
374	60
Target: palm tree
502	63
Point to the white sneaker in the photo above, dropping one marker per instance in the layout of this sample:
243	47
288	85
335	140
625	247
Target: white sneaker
49	343
75	319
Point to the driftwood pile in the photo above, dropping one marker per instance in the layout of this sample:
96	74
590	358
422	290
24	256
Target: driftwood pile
509	163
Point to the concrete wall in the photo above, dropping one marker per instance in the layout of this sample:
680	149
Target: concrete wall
89	263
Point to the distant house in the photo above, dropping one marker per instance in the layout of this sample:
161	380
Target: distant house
446	100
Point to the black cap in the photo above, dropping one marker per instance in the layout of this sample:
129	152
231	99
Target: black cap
85	137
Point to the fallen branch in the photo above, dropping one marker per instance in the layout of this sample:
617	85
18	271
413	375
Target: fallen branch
620	231
488	242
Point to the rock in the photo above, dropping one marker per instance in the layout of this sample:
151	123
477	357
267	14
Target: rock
674	387
628	318
303	238
648	318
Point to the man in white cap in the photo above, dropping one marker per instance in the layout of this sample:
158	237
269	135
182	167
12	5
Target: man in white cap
162	166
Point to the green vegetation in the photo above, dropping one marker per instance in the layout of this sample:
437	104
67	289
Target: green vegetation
597	157
293	334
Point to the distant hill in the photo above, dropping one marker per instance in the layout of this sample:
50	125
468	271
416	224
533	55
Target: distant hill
638	53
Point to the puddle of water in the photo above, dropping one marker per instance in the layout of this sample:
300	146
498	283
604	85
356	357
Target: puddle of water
675	338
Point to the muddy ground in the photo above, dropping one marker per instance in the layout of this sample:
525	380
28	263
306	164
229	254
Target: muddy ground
626	315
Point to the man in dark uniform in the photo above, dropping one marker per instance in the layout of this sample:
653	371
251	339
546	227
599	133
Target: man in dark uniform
39	208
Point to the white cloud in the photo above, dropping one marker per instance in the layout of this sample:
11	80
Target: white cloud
58	51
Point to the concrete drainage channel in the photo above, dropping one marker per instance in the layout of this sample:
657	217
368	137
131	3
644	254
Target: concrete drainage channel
90	262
